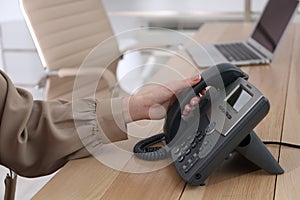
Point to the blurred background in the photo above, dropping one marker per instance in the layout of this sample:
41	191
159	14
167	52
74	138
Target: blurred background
19	58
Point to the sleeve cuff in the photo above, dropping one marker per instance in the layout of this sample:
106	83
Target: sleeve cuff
99	122
111	119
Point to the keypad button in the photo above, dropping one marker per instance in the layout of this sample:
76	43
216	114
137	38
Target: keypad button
185	147
191	140
195	155
200	137
183	144
198	133
206	142
194	144
181	158
187	169
176	150
210	128
194	161
188	151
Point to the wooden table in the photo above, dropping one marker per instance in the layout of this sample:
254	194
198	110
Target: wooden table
235	179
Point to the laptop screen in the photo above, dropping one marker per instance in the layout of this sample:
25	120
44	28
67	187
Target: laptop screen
273	22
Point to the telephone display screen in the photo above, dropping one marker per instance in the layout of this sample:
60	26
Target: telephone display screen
239	98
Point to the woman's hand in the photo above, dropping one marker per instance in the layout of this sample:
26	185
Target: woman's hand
155	103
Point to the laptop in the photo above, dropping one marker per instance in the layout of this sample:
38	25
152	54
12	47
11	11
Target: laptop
259	48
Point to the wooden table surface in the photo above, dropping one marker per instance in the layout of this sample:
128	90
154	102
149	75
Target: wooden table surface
235	179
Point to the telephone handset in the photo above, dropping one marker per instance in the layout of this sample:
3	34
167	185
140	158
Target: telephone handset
223	123
218	76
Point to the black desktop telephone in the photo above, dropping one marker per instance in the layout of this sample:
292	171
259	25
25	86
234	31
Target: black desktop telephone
222	123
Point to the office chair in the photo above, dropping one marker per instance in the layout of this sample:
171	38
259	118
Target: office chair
65	32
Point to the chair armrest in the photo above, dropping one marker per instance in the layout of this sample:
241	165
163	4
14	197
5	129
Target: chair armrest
149	47
107	74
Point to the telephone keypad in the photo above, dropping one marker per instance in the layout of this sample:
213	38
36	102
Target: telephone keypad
187	154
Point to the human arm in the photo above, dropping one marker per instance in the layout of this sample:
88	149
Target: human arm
38	137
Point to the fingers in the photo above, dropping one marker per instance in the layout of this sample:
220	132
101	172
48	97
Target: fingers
203	92
194	101
187	109
191	106
178	86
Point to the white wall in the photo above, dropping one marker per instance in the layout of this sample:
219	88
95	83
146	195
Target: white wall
20	58
175	5
258	5
121	23
10	10
182	5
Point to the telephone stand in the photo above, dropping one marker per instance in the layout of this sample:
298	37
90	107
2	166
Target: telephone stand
253	149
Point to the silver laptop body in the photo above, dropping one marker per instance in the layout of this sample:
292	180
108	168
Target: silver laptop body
259	47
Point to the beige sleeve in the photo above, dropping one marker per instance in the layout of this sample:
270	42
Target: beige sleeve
39	137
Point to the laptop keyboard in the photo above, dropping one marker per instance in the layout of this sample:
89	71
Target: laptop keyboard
236	52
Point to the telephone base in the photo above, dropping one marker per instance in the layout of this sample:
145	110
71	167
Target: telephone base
253	149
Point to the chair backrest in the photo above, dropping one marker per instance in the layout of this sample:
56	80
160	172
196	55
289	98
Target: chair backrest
65	32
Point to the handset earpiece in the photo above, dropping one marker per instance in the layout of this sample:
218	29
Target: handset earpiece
218	76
